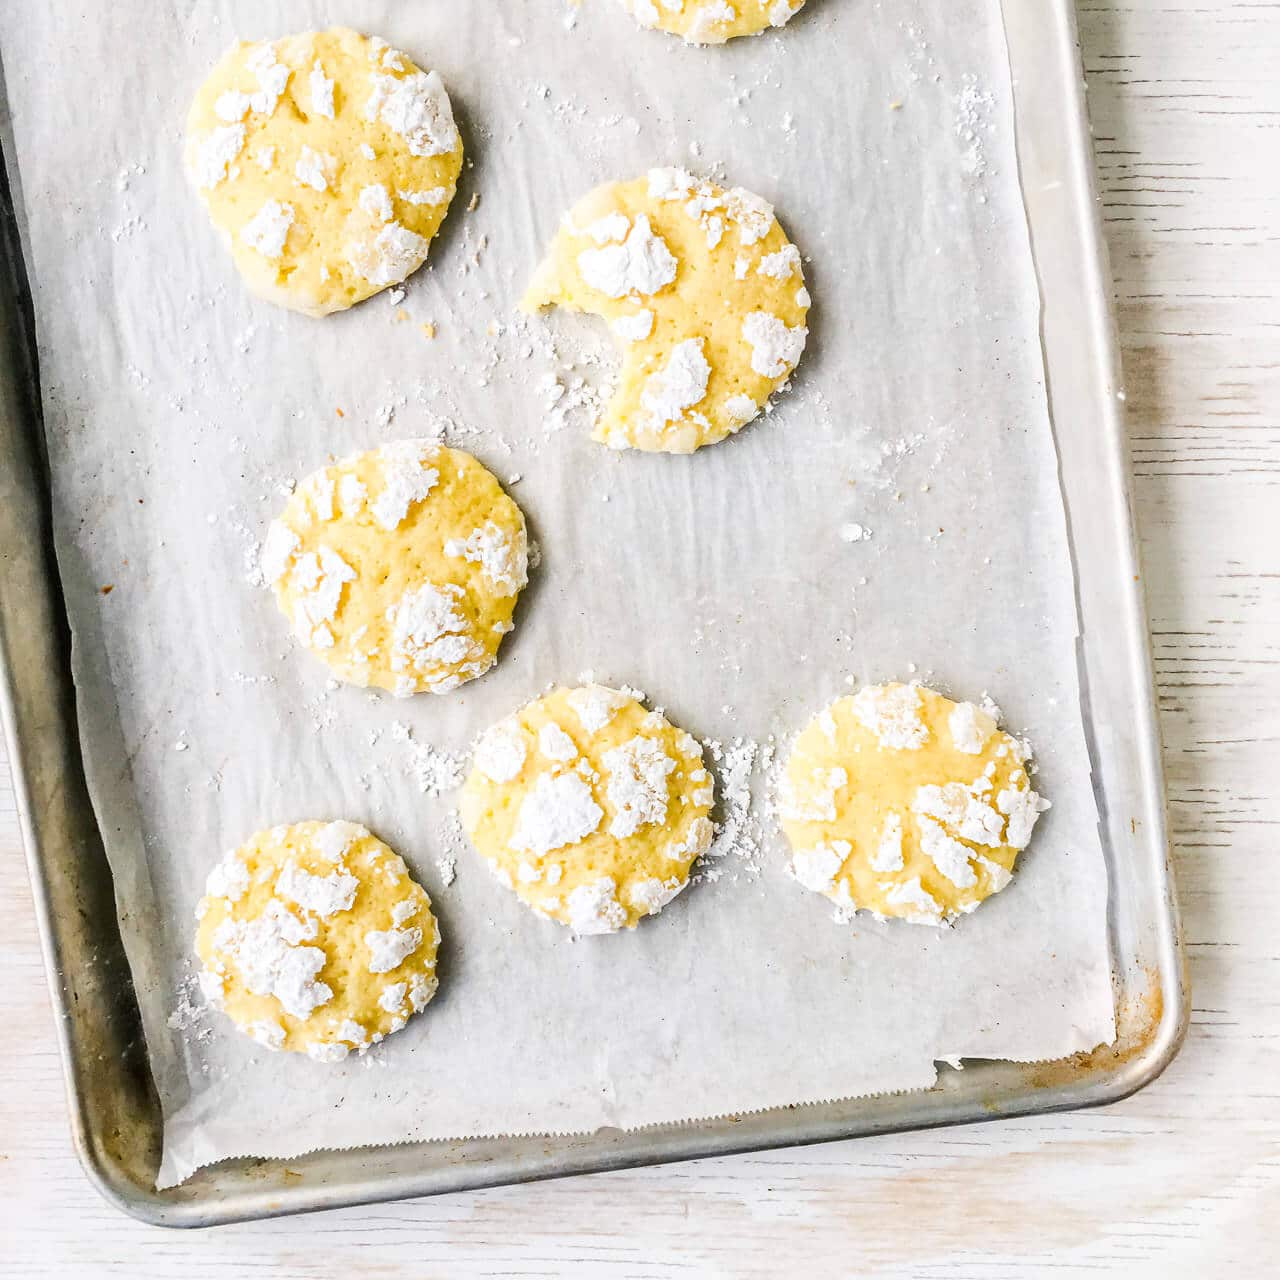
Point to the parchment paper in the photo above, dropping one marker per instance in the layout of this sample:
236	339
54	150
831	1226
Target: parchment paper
176	407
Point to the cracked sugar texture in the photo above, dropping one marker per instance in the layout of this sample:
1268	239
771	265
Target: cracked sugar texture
592	809
315	939
400	568
705	298
329	160
712	21
903	803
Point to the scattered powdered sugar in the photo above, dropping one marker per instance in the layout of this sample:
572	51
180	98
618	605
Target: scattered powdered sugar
187	1015
559	811
435	770
739	831
974	109
854	532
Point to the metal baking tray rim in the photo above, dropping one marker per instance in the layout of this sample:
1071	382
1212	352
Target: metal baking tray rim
112	1106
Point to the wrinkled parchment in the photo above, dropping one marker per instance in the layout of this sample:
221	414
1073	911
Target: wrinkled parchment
732	586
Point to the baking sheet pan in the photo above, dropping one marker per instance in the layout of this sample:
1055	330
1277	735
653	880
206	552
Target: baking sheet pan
1080	361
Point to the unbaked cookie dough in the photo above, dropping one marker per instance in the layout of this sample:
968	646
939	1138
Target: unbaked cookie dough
315	939
400	567
590	807
903	803
705	297
329	161
712	21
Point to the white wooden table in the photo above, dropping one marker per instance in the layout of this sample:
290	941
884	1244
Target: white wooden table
1183	1180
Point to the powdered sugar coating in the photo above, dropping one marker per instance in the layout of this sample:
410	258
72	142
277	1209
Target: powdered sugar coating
637	773
268	229
389	948
500	754
416	107
775	348
642	264
559	811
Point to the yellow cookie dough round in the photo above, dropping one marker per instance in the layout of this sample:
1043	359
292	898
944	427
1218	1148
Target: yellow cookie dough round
590	807
712	21
329	161
903	803
400	567
704	295
315	939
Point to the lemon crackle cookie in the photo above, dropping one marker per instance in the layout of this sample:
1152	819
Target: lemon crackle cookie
590	807
315	939
903	803
712	21
705	297
401	567
329	161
